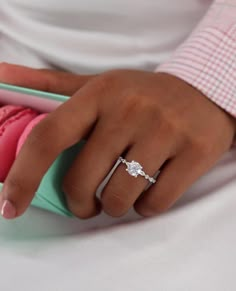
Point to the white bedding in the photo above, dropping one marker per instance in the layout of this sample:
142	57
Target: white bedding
192	247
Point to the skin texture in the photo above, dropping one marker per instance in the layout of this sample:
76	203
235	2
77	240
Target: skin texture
27	131
154	118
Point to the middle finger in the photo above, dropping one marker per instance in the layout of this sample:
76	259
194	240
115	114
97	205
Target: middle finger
97	157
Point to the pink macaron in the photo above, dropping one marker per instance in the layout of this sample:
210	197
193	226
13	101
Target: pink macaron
28	129
13	120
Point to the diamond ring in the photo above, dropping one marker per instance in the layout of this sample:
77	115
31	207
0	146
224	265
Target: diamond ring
135	169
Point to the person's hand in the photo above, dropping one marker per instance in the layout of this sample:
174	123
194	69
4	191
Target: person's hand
153	118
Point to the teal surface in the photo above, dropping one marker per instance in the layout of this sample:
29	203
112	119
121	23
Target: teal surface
33	92
49	195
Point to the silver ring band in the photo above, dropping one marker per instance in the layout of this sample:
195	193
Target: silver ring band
135	169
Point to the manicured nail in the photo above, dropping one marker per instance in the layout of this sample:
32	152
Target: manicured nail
8	210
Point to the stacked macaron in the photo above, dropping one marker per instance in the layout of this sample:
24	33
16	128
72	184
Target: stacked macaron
16	122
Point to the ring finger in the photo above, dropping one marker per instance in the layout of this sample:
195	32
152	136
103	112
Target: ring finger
122	190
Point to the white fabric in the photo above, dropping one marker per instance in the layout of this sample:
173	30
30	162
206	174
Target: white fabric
192	247
189	248
92	36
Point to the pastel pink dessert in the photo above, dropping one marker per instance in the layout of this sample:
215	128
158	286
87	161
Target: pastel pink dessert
28	129
13	120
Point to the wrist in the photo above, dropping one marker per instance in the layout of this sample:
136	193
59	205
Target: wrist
179	86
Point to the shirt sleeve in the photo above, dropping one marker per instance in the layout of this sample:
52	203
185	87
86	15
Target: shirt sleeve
207	58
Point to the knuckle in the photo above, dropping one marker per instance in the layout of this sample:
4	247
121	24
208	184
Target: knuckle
78	202
81	212
76	188
51	81
43	138
105	81
114	204
201	147
168	128
132	104
71	189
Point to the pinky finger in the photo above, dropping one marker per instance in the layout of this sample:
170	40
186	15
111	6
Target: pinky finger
177	176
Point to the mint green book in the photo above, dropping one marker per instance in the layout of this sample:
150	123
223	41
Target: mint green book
49	195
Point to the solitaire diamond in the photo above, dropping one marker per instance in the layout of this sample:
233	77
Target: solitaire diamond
134	168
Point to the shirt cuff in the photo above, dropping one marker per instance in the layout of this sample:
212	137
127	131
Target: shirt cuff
207	58
207	61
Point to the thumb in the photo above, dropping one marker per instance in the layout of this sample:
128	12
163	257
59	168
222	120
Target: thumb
42	79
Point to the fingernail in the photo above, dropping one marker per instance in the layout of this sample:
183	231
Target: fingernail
8	210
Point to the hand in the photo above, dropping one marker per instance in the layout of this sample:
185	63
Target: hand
153	118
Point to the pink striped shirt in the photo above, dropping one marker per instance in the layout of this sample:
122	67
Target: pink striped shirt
207	58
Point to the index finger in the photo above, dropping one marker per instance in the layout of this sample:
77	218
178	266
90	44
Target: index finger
61	129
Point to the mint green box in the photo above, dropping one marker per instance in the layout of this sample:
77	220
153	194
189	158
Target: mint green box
49	195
